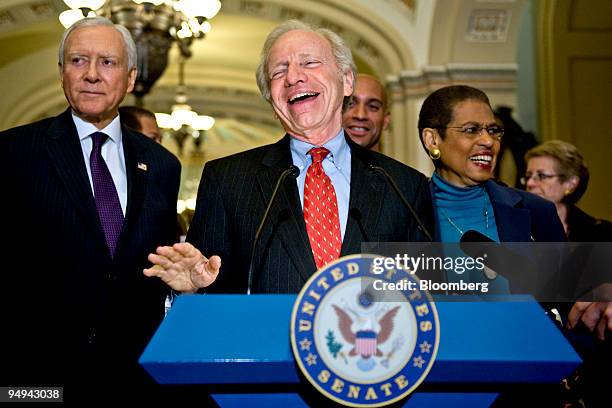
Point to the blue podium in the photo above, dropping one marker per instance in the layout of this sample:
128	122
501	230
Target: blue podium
228	341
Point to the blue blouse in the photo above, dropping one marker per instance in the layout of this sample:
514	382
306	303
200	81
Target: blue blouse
460	209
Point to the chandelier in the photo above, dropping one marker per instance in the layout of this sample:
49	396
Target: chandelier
155	25
183	120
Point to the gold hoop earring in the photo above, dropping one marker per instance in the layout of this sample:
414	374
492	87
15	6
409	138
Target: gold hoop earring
435	154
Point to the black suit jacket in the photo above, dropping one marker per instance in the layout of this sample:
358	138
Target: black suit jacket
585	228
235	190
76	314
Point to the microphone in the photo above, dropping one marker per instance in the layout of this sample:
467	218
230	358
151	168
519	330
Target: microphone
471	237
496	258
292	172
474	236
524	276
356	215
392	183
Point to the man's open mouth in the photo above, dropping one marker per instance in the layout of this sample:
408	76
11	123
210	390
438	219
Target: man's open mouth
303	96
359	128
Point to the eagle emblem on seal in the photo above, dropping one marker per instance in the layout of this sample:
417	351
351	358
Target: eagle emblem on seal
366	339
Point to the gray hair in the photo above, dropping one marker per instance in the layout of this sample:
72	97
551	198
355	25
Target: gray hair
130	46
341	52
568	162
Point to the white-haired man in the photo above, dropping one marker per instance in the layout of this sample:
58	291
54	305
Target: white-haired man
96	198
305	73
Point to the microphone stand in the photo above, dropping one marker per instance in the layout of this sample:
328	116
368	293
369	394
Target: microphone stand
292	171
393	184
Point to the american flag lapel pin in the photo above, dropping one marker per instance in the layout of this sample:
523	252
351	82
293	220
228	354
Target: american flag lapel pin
142	166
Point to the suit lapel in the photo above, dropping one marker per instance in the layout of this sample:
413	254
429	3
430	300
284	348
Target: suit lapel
367	190
291	230
513	222
137	169
66	155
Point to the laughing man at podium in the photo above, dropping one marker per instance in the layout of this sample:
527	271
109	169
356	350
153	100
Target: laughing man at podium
326	194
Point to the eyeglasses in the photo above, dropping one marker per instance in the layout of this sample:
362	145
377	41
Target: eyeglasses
537	176
471	131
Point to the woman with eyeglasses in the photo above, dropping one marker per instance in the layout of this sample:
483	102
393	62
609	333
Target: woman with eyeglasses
458	130
556	171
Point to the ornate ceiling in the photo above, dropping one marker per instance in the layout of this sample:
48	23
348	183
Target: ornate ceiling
393	39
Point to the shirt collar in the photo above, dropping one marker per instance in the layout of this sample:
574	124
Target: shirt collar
337	146
85	129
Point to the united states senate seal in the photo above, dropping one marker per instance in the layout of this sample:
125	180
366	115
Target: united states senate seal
357	344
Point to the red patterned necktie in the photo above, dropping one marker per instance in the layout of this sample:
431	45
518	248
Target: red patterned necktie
321	211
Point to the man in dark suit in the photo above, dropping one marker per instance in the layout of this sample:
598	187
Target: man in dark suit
306	74
85	201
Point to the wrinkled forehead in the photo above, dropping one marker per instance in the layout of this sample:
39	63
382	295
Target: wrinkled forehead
95	37
544	162
299	43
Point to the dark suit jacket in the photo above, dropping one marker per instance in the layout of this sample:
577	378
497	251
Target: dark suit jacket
75	313
523	217
585	228
234	192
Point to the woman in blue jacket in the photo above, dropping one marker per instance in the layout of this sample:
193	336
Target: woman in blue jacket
458	130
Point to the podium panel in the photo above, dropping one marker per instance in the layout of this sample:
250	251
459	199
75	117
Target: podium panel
239	339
